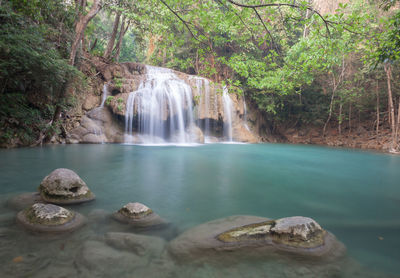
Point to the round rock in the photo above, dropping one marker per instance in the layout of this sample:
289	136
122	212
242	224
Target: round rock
139	215
300	227
256	236
64	186
49	218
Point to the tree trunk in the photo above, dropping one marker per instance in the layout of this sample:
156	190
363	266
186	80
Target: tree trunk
80	27
111	42
122	32
335	85
392	119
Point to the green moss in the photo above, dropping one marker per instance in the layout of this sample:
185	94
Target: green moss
118	82
109	99
255	231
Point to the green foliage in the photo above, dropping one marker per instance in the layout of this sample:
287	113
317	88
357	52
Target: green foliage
20	122
33	65
118	82
109	99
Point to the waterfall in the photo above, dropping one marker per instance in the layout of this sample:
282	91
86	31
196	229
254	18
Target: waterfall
161	109
227	102
104	96
245	114
205	109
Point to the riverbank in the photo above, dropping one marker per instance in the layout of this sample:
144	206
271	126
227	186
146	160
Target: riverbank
359	138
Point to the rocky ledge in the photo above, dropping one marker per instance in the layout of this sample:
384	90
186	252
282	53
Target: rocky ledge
64	186
49	218
296	235
138	215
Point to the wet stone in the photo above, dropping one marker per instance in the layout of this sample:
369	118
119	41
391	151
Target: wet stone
49	214
135	210
245	234
64	186
297	226
49	218
139	215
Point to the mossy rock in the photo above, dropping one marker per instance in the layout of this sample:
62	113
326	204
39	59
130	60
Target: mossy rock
138	215
48	218
253	236
64	186
66	200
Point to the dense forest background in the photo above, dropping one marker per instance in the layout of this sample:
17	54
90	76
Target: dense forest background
328	65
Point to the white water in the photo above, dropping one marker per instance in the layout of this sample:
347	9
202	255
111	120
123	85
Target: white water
245	114
162	108
203	88
227	102
104	96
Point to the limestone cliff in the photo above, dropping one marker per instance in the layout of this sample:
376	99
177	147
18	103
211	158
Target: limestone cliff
103	118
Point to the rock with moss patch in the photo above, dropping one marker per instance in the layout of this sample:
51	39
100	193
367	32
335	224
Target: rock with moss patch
138	215
64	186
297	228
50	218
257	236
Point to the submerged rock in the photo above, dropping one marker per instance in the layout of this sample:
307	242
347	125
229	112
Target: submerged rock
24	200
295	235
49	218
97	259
139	215
141	245
64	186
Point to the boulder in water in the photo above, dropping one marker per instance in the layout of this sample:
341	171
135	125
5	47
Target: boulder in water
257	236
49	218
64	186
138	215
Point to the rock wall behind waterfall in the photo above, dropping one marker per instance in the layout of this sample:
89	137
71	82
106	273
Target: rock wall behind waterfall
108	123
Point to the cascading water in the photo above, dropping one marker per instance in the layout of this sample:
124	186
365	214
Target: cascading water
227	102
245	114
205	108
104	96
161	109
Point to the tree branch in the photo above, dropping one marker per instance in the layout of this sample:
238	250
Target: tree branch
182	20
266	29
326	22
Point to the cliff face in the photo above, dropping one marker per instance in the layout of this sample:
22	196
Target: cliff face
195	108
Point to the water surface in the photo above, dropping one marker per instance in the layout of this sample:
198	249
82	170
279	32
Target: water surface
353	194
